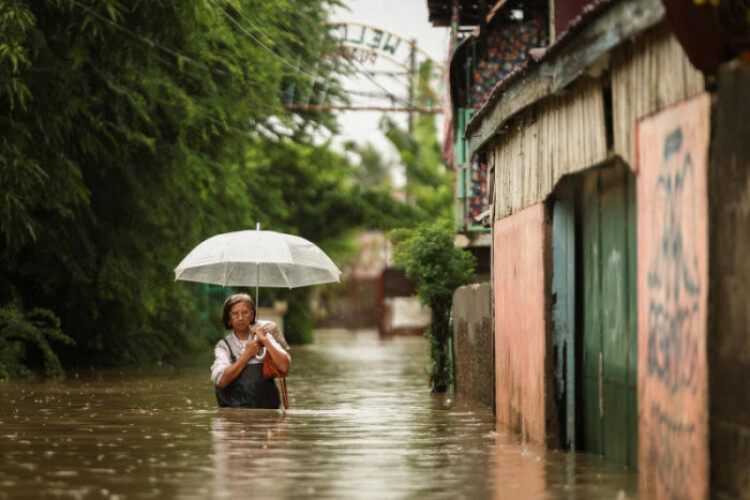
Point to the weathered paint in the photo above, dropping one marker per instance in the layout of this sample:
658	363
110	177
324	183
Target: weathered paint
563	311
619	335
672	303
608	343
472	343
591	407
520	325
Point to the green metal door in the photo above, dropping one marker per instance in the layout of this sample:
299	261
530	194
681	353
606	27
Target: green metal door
608	345
563	309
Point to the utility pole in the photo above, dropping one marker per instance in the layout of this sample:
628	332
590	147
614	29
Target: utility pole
412	72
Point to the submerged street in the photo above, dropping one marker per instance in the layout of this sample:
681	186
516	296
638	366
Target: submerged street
362	424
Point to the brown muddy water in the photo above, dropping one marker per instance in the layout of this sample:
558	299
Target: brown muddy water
362	425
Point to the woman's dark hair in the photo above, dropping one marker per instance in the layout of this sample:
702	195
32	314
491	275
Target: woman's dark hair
230	302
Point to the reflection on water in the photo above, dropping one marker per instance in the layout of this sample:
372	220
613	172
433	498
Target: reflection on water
362	424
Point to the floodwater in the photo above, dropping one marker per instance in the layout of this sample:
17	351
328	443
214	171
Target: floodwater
362	425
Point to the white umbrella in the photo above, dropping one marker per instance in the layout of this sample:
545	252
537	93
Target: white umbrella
257	258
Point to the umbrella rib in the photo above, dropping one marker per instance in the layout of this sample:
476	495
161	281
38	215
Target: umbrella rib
286	279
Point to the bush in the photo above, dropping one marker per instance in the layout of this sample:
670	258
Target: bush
32	331
437	267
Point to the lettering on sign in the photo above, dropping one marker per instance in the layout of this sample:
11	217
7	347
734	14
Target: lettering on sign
371	38
352	54
672	301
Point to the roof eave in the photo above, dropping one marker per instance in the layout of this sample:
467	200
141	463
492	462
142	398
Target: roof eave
602	26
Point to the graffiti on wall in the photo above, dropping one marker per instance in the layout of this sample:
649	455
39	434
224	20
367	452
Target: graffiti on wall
672	300
674	284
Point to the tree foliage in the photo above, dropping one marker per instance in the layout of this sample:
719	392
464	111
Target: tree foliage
428	181
437	267
373	170
134	130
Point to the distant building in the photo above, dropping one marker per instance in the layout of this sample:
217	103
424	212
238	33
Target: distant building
376	295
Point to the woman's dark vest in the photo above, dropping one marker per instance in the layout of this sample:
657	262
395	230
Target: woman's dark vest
249	389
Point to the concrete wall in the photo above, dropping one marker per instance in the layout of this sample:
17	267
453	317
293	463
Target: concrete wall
729	291
672	151
521	322
472	343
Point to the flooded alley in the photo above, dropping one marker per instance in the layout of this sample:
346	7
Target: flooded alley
362	424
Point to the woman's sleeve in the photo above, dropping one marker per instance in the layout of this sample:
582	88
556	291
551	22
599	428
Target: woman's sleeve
276	346
272	328
221	362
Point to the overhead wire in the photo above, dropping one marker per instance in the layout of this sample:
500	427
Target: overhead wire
183	71
160	46
253	37
376	83
314	77
216	71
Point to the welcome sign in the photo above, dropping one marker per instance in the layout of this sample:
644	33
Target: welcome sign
361	35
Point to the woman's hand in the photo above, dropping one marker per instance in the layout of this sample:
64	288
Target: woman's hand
261	334
251	349
233	371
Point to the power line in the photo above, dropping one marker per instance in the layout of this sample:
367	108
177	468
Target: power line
253	37
405	103
181	56
151	43
183	71
332	107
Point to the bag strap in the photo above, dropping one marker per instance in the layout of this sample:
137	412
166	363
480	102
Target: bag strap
284	397
231	354
282	380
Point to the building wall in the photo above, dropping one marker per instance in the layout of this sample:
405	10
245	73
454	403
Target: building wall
647	75
531	156
729	290
472	343
673	283
521	322
564	134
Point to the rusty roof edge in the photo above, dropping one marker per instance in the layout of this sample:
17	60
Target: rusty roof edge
602	26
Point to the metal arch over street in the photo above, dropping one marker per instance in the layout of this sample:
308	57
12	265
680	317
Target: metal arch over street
406	68
379	41
370	44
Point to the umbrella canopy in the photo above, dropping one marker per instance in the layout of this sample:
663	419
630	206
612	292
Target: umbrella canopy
257	258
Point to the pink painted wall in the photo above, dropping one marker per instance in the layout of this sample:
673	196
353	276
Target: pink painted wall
672	301
520	322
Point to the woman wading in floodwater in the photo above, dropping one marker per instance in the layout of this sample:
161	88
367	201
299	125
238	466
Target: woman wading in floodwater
237	371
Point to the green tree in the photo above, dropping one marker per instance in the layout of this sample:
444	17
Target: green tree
437	267
373	170
428	182
132	131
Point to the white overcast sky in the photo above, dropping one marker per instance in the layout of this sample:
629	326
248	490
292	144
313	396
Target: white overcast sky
408	19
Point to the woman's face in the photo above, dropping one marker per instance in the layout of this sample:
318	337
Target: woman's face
240	316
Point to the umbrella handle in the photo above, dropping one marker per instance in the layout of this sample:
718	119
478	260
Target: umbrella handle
257	277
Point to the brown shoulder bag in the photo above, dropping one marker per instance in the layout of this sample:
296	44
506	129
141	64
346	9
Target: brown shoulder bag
271	371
